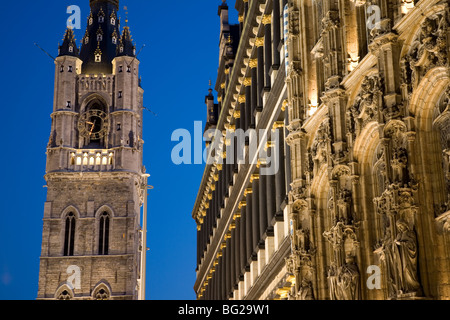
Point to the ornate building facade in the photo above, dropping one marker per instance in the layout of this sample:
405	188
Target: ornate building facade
92	237
359	208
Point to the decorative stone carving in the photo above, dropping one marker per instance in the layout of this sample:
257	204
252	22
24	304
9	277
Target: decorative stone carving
365	108
429	49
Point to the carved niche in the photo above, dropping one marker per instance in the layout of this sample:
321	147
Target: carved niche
365	108
343	273
428	50
396	206
441	125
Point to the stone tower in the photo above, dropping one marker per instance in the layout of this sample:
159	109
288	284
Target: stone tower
92	235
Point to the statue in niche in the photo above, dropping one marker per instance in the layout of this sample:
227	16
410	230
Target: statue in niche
405	250
399	165
332	282
344	207
303	240
348	280
305	291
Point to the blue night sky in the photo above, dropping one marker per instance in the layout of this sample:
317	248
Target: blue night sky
181	54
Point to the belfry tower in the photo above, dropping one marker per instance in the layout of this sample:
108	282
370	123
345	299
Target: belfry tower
92	243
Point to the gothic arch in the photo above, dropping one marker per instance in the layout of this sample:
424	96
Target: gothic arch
415	27
64	292
89	98
102	209
320	193
103	231
427	158
369	154
102	291
73	238
69	209
426	95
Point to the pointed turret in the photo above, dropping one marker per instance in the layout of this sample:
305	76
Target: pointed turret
101	37
126	46
69	46
212	112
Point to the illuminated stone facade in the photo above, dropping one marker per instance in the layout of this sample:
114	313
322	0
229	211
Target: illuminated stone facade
360	208
96	182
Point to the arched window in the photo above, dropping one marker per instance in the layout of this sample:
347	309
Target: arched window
69	235
103	242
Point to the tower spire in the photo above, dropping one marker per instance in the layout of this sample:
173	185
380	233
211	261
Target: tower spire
69	45
102	36
114	2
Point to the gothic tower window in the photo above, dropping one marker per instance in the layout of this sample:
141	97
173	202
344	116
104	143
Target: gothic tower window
101	19
103	245
102	293
114	40
113	21
65	295
69	235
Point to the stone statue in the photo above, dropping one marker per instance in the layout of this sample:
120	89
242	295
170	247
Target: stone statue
332	282
405	250
305	291
348	281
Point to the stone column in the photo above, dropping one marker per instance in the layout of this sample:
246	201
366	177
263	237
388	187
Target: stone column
254	92
270	194
276	27
280	183
259	43
267	20
243	122
263	222
243	241
249	226
237	253
248	103
255	212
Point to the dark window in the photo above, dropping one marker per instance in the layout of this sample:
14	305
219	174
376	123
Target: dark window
69	236
103	246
